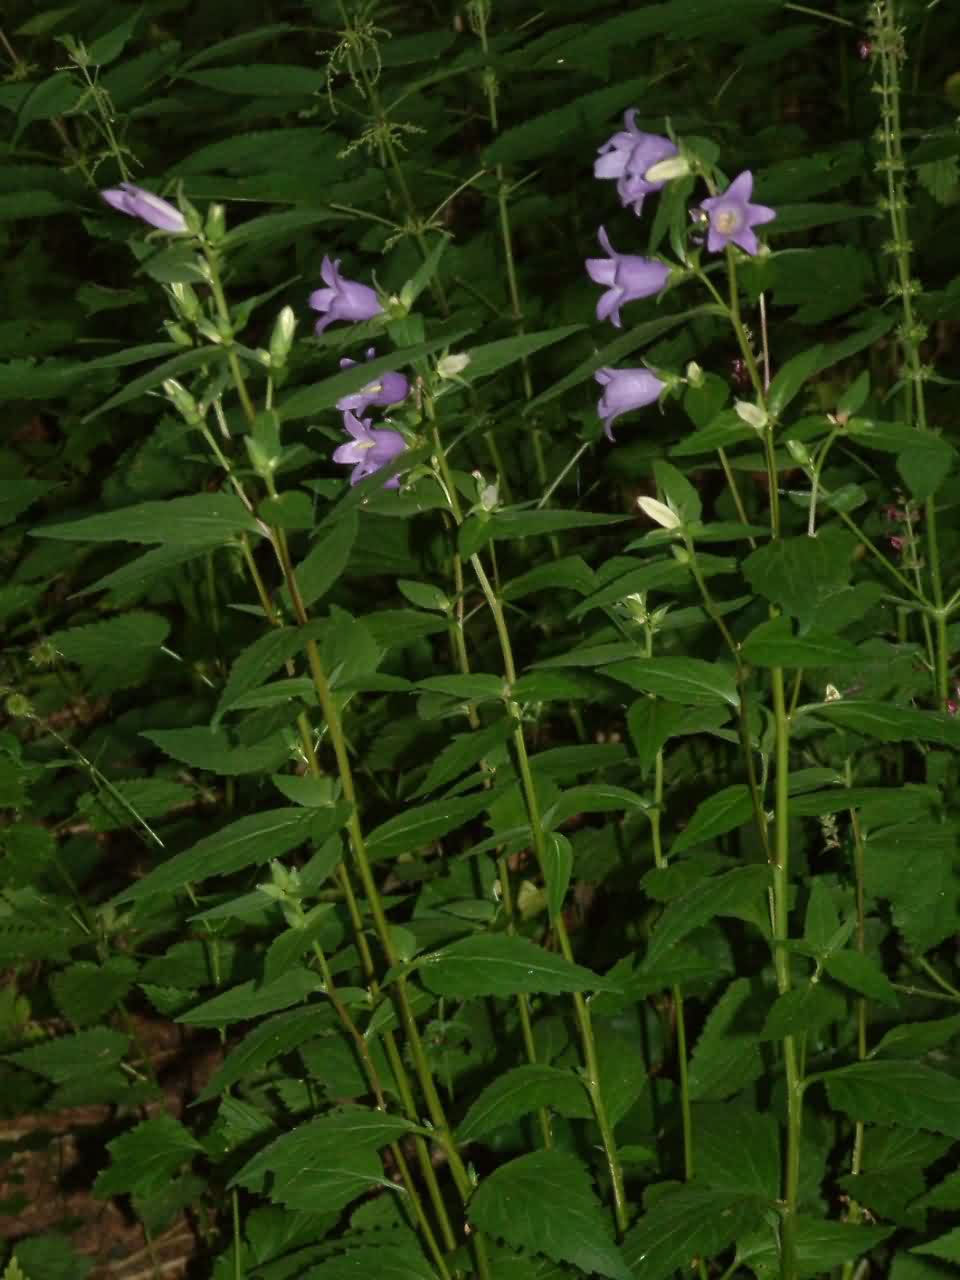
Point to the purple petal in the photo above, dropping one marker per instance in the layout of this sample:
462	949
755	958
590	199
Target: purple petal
608	308
350	453
746	240
328	272
611	164
741	188
601	270
322	300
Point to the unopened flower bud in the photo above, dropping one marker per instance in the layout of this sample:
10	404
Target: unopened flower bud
449	367
281	340
207	329
659	512
799	453
178	334
182	400
216	227
18	707
667	170
188	304
751	414
694	375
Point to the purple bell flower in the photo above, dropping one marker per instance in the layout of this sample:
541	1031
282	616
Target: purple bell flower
732	216
627	276
627	156
625	390
387	390
138	203
342	299
369	450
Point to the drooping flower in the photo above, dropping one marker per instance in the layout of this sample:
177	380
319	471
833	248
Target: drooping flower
732	216
137	203
342	299
388	389
627	156
625	390
369	450
628	276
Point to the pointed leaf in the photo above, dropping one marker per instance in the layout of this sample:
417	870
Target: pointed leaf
500	964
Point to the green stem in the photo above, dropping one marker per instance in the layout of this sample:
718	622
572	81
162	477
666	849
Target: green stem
854	1212
223	311
781	957
911	333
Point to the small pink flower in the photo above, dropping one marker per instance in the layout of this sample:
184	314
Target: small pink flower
898	543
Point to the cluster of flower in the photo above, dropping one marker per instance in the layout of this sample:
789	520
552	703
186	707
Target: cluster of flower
642	163
369	448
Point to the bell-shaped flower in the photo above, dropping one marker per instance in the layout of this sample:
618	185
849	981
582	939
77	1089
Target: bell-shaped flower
369	450
137	203
627	276
627	155
732	216
625	390
342	299
387	390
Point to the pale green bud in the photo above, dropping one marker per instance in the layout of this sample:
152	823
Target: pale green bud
694	375
667	170
659	512
449	367
751	414
281	340
183	401
799	453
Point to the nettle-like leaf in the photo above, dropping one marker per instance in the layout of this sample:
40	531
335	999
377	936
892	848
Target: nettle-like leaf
545	1203
144	1160
502	964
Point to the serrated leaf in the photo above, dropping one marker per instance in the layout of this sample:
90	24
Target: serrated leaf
260	660
60	1060
249	841
791	377
773	644
202	518
500	964
889	723
725	1059
84	992
896	1093
863	974
728	894
252	1000
326	560
422	825
466	750
737	1148
269	1040
146	1158
689	681
214	750
913	1039
521	1091
722	812
803	1011
545	1203
328	1162
687	1224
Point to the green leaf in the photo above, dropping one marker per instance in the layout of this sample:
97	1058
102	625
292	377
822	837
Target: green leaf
500	964
679	492
805	1010
475	687
689	681
204	748
466	750
423	825
688	1224
326	560
726	1058
863	974
514	522
521	1091
913	1039
791	377
545	1203
889	723
260	660
737	1148
326	1162
173	368
557	869
946	1247
84	992
594	797
896	1093
252	999
773	644
264	79
233	44
249	841
117	653
801	574
570	573
205	519
145	1159
60	1060
729	894
653	722
821	1246
385	1260
494	356
913	865
647	577
926	465
268	1041
722	812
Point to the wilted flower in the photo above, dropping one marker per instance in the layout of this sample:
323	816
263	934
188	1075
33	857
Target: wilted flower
627	156
342	299
369	450
138	203
628	276
732	216
388	389
624	390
